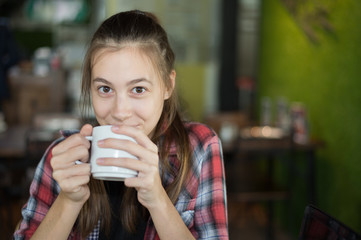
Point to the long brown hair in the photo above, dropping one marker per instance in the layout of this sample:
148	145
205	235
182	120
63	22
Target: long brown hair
140	30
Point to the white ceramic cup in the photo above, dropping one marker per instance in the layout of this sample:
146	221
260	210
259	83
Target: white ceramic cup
109	173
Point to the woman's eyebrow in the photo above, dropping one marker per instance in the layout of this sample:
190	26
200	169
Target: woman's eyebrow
132	82
102	80
138	80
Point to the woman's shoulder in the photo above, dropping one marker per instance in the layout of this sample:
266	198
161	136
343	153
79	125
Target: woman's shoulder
200	132
200	128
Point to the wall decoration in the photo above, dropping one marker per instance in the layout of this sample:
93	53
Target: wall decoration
312	16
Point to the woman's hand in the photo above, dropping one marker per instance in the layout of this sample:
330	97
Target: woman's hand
151	193
148	183
72	178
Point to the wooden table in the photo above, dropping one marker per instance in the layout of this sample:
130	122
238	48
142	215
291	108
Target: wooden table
271	148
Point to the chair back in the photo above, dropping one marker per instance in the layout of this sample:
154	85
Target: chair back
318	225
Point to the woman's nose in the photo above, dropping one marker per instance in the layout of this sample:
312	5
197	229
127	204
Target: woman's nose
122	108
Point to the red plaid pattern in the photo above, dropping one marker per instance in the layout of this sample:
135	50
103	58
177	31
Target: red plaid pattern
202	204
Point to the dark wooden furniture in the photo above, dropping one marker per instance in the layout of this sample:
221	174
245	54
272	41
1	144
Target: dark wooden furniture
271	150
32	94
13	142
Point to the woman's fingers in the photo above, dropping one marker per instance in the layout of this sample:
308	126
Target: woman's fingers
148	183
74	184
75	147
143	154
70	142
73	178
139	183
86	130
74	140
130	163
76	170
138	135
68	158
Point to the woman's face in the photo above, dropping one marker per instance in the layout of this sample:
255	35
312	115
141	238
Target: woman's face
126	89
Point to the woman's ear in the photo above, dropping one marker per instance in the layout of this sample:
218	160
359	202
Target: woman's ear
168	92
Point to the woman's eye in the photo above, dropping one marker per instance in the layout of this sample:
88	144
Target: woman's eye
138	90
105	89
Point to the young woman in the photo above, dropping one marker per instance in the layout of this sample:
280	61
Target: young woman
179	193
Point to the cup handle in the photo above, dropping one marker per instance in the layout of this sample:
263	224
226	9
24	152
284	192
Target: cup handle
90	138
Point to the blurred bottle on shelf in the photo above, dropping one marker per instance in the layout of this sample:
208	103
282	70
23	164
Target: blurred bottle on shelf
300	127
283	119
266	112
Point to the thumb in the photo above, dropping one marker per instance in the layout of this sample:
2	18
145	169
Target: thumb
86	130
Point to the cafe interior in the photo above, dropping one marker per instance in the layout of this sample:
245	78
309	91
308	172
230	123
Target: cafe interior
278	80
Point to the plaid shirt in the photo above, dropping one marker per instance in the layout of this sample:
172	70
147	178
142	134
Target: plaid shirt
202	204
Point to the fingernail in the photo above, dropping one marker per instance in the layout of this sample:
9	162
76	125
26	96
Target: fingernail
100	160
100	142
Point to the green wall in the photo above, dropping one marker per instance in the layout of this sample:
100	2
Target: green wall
326	76
190	81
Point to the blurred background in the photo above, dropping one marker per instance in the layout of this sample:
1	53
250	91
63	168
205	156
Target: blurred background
279	81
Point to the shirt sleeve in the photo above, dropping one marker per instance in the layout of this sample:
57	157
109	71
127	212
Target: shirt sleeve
43	192
203	203
210	215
